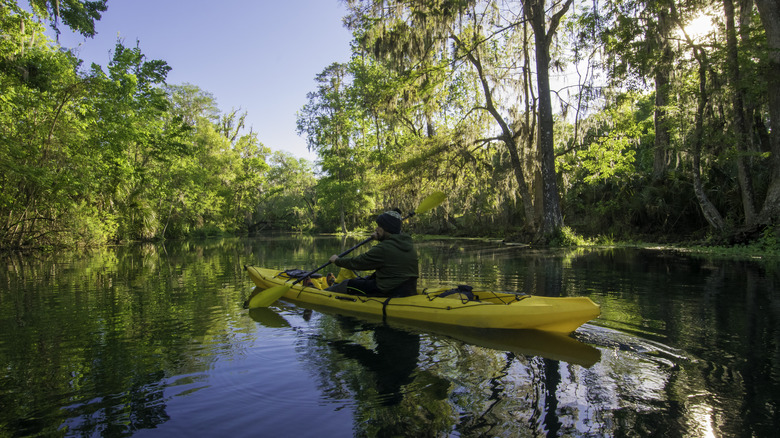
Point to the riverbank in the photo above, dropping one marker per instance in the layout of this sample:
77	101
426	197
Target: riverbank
764	247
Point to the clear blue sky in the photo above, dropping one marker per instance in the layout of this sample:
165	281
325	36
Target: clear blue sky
257	55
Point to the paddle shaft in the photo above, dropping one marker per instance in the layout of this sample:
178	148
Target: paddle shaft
344	253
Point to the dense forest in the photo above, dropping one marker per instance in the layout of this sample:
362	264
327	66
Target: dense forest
540	119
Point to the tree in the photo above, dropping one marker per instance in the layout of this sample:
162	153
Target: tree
328	122
130	108
513	133
289	198
741	128
43	129
114	153
639	37
407	35
79	15
710	211
217	187
738	54
770	18
663	87
535	11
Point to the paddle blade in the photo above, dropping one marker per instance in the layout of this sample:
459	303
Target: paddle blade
432	201
268	296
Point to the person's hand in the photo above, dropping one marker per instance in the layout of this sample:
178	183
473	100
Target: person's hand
333	258
375	235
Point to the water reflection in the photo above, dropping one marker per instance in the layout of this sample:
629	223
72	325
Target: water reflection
142	406
268	317
152	339
377	366
407	382
391	360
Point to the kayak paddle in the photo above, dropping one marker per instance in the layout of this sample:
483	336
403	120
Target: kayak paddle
268	296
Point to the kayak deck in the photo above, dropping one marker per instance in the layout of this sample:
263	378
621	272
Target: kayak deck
488	309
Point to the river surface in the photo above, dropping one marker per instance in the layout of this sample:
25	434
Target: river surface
152	340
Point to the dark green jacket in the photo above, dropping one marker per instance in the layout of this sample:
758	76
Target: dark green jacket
394	260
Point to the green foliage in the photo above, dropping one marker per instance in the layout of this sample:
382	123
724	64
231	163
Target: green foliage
114	154
612	141
437	96
609	190
79	15
767	247
87	226
332	124
41	109
289	202
566	237
770	240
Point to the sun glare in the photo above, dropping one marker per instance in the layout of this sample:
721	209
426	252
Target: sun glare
699	27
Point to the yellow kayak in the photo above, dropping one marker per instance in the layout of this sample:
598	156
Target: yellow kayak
480	309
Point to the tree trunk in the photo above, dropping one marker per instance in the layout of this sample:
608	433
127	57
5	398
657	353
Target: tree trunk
343	219
662	138
507	134
741	128
745	15
710	212
769	10
552	219
662	87
525	193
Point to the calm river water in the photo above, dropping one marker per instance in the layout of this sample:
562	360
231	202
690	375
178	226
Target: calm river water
152	340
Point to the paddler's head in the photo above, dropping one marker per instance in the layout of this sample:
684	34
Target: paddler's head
388	222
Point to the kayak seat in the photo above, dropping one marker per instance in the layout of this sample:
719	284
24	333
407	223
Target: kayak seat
299	273
311	280
462	292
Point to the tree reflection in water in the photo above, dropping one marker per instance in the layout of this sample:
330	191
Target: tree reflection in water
153	338
392	361
402	382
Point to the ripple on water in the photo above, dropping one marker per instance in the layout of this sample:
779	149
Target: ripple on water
267	369
613	339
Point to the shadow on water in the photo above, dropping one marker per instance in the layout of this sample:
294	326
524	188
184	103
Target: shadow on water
392	360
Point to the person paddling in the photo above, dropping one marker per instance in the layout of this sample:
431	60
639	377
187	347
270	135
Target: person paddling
393	259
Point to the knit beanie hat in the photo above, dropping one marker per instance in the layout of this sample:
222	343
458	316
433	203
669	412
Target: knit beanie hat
390	221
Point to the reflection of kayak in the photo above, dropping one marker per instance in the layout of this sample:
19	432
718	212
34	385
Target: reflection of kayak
488	309
549	345
555	346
